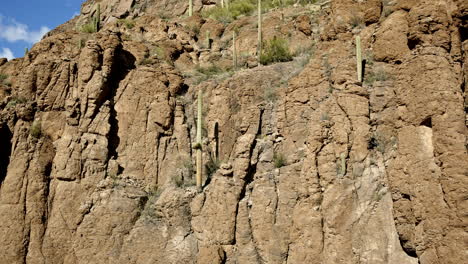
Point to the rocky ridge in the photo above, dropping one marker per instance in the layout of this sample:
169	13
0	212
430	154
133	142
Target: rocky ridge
303	163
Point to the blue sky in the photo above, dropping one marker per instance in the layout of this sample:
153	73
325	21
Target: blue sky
23	23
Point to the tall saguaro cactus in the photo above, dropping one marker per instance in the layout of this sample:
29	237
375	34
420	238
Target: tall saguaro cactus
234	50
97	18
199	141
190	7
359	58
259	44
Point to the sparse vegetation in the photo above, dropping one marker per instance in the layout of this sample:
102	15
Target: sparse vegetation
356	20
212	166
149	213
193	28
378	74
81	43
94	25
304	54
128	23
146	61
235	9
381	143
15	100
324	116
88	28
3	79
184	175
279	160
276	50
270	93
35	131
209	71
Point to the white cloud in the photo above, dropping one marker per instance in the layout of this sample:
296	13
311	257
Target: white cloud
13	31
7	53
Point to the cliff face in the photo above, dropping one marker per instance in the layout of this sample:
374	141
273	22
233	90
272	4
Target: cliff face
303	163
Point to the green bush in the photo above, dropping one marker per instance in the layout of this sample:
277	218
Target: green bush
35	129
4	81
279	160
236	9
276	50
3	77
88	28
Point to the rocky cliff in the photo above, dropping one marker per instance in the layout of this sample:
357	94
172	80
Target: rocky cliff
303	163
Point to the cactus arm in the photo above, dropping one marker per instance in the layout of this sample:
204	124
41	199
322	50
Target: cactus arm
199	141
259	44
234	51
190	10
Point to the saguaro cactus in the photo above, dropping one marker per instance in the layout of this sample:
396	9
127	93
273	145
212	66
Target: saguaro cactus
97	18
234	50
190	7
259	44
359	58
199	141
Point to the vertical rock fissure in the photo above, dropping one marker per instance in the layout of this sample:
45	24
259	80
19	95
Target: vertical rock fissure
5	151
123	63
248	179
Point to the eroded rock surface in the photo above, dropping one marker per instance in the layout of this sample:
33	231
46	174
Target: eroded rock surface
303	164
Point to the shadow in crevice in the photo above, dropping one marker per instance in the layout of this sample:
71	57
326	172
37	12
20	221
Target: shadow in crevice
5	150
123	63
409	250
427	122
413	43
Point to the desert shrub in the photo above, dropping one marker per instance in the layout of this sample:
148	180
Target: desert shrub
88	28
184	174
35	130
242	7
209	71
378	74
146	61
236	9
15	100
279	160
128	23
149	213
381	143
356	20
270	94
3	77
276	50
212	166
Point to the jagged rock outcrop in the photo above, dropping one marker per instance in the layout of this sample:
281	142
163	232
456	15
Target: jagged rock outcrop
303	163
